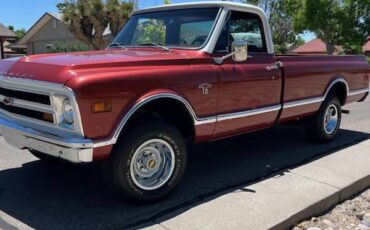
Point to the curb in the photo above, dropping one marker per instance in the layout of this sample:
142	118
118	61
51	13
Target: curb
325	204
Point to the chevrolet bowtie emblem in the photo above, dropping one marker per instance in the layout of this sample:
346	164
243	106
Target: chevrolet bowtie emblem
8	101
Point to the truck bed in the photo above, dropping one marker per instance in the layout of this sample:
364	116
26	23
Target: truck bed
306	77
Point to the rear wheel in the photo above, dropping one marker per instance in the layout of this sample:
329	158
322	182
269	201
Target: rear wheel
148	163
323	127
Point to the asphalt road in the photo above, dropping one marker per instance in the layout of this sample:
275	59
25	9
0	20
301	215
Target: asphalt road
75	197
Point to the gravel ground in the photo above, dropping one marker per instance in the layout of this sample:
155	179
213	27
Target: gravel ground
352	214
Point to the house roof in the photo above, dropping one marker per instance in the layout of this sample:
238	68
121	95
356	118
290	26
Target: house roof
6	33
41	22
366	47
318	46
313	46
36	27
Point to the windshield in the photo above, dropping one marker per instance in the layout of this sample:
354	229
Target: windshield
187	28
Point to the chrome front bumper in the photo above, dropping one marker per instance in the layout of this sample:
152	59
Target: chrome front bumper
77	150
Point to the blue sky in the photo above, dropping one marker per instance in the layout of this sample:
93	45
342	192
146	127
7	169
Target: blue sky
24	13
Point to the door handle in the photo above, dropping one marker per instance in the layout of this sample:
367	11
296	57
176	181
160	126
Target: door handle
275	66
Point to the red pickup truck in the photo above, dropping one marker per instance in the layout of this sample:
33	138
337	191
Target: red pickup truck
175	74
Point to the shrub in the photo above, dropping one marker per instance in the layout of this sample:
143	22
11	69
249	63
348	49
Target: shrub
62	47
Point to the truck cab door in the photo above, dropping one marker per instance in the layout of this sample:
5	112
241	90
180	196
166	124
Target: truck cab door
249	91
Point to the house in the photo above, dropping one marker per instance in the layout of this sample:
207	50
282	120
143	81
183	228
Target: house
315	46
46	32
366	48
6	36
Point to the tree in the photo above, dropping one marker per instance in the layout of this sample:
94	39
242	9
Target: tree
88	19
280	22
343	23
20	32
355	25
321	17
167	2
62	47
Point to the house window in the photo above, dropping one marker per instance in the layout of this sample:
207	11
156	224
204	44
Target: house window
54	24
49	46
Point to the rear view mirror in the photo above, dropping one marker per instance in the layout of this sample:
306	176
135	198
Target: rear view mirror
240	51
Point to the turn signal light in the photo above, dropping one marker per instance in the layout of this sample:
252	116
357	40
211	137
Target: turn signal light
101	107
48	117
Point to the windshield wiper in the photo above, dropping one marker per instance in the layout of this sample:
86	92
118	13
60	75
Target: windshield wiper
156	45
116	44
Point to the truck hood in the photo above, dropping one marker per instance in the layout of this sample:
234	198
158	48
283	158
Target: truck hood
60	68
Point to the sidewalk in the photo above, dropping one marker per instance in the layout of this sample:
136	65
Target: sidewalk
281	201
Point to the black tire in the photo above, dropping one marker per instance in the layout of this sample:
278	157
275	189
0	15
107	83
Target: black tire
122	160
315	126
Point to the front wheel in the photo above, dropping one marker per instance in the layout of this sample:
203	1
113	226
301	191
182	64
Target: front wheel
148	163
324	126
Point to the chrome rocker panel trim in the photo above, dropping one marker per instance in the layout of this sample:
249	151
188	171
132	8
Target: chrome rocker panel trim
222	117
197	121
322	98
77	150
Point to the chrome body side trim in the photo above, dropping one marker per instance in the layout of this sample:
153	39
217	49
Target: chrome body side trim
142	102
338	80
357	92
248	113
322	98
222	117
303	102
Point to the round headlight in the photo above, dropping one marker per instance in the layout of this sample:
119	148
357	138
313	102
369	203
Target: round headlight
68	112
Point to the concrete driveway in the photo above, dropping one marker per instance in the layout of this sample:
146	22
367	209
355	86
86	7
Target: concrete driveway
66	196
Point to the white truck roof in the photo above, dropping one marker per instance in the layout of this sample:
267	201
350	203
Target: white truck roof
201	5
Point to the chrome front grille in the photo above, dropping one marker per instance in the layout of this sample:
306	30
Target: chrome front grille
26	104
39	105
26	96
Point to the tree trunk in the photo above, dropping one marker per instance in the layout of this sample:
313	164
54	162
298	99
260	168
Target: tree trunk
330	48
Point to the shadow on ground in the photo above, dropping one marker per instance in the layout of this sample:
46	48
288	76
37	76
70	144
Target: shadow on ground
75	197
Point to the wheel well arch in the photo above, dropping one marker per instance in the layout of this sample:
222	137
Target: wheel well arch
169	107
339	88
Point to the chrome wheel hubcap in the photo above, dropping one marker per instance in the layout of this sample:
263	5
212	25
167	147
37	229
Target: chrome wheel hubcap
152	164
331	119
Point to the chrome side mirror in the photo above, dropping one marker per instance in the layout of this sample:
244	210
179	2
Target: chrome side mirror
239	53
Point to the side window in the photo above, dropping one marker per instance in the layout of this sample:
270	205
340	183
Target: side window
243	26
